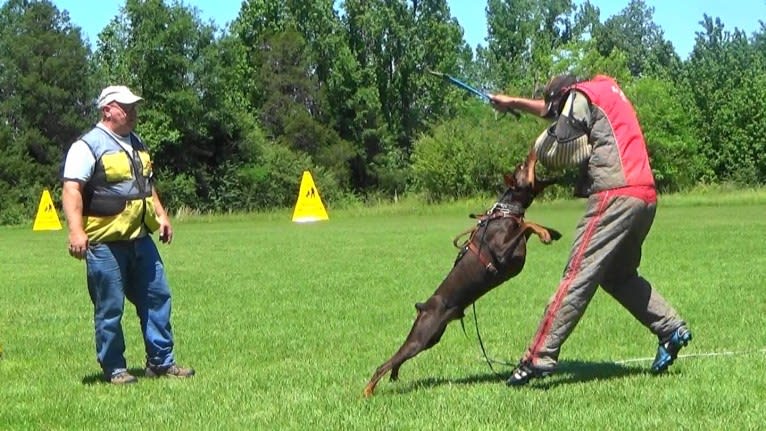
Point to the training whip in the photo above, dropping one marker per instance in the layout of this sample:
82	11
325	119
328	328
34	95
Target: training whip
460	84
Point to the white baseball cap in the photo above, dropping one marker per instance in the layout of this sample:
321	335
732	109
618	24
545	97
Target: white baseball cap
119	94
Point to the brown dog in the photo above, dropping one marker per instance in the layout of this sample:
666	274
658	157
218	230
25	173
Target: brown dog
494	252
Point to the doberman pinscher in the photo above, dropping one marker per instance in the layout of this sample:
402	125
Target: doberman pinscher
494	252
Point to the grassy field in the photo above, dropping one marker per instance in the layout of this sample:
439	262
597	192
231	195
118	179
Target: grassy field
285	323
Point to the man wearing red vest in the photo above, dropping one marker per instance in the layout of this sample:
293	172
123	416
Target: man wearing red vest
596	130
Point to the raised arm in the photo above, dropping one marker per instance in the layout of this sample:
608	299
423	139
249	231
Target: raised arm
502	103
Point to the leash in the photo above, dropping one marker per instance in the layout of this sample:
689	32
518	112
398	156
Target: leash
481	342
489	360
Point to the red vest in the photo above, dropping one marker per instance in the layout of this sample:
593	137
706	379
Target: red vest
604	94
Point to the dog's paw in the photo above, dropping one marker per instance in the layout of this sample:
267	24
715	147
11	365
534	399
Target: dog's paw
369	391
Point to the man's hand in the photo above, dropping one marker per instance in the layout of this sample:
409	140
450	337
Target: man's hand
501	102
166	230
78	244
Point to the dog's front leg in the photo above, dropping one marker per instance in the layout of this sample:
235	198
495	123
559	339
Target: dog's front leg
546	235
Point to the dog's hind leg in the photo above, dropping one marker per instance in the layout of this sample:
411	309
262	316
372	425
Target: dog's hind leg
430	343
427	330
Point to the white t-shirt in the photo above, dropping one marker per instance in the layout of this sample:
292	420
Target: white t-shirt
80	163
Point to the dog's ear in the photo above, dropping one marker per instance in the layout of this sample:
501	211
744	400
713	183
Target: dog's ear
531	164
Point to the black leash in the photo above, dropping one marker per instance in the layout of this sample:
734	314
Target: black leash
481	342
483	349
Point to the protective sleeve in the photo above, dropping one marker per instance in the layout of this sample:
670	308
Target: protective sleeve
565	143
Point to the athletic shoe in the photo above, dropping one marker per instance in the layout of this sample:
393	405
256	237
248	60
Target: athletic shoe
667	352
171	371
122	378
524	372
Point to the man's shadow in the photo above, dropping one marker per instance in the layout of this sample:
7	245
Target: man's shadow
98	378
567	372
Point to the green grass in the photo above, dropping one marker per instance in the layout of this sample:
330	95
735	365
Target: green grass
285	324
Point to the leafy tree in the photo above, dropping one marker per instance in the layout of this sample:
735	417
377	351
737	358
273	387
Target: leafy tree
290	50
582	59
379	80
45	98
292	103
724	76
523	36
634	32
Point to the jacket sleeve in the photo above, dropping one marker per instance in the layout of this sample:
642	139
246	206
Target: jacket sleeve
565	143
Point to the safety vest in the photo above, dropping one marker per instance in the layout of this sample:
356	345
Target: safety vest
619	160
117	200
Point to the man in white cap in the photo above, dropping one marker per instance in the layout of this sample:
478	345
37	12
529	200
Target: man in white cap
112	208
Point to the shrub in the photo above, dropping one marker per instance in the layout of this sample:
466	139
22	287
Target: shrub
468	155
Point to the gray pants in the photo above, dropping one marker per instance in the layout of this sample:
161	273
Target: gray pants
606	252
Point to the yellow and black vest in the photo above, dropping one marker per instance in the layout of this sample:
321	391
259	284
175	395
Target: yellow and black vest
117	200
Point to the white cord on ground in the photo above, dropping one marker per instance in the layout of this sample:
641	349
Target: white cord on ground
697	355
651	358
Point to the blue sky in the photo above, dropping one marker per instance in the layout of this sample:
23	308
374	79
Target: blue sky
679	19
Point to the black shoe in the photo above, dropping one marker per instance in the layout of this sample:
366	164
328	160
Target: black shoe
524	372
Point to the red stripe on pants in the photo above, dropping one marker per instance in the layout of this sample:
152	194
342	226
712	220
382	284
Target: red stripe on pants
566	283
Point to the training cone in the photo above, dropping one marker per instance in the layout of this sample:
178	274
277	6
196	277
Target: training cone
47	218
309	206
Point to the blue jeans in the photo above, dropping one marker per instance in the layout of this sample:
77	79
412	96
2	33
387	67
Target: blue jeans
132	270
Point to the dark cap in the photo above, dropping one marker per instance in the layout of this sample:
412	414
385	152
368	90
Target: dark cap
554	92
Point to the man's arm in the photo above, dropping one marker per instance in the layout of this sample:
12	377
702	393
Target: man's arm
71	199
502	103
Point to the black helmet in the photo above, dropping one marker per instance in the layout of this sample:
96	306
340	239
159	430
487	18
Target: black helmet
554	93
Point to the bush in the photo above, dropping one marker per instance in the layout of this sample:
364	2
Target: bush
668	126
177	191
273	181
18	205
467	156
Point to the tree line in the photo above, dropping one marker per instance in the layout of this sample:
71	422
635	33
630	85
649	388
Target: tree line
234	115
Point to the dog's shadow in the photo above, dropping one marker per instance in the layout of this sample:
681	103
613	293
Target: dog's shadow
567	372
98	378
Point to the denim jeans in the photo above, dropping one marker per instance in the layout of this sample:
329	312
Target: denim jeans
133	270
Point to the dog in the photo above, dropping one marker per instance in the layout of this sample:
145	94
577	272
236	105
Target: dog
494	252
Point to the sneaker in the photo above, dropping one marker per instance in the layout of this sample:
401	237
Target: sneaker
524	372
122	378
171	371
667	352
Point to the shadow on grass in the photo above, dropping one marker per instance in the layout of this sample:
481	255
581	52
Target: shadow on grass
98	378
567	372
